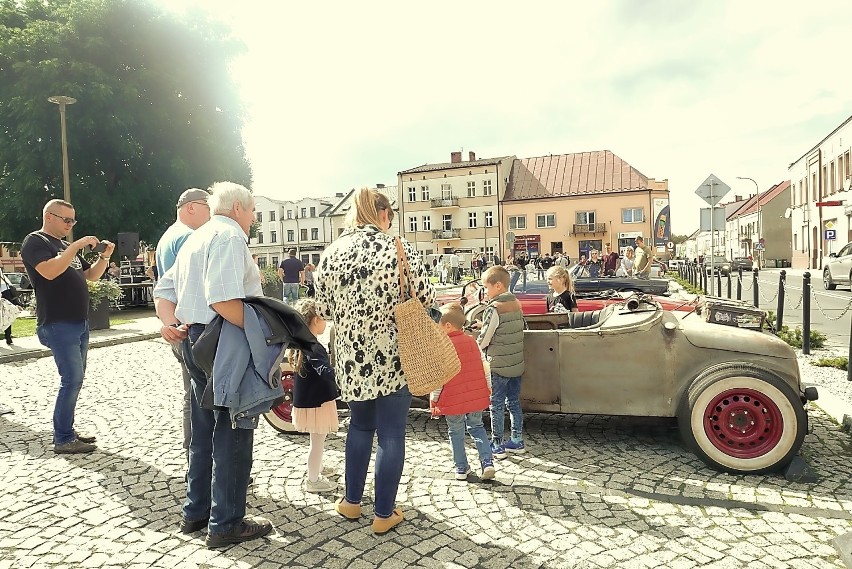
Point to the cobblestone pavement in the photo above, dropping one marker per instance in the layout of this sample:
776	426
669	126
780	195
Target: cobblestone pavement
591	492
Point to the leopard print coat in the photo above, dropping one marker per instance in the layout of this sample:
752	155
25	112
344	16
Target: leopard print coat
357	286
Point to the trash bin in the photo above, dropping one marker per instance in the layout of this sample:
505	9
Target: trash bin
785	263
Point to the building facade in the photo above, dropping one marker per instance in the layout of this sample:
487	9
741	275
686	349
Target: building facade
821	200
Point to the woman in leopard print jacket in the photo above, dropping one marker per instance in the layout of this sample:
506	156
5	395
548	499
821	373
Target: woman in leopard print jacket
357	286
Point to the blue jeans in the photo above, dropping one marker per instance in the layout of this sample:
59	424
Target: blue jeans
69	342
291	293
386	415
506	392
472	423
515	276
220	458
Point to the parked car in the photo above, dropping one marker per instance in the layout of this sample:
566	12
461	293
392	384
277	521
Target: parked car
743	263
18	280
584	283
719	264
838	269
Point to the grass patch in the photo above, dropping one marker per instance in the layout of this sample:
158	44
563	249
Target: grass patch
839	363
27	326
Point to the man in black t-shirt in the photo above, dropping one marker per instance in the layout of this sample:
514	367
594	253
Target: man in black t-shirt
58	273
292	273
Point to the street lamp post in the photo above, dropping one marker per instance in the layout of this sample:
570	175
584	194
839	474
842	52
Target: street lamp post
757	190
62	100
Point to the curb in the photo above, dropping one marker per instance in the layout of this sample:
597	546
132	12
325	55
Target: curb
45	352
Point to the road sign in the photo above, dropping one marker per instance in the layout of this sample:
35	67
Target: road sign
510	237
670	245
718	223
830	234
712	190
759	246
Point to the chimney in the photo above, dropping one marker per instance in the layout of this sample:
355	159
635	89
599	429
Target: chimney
455	157
471	156
379	186
738	198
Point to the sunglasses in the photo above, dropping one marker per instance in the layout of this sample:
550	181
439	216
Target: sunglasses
67	220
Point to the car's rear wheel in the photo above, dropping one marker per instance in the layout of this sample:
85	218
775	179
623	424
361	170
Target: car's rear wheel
826	280
742	419
280	417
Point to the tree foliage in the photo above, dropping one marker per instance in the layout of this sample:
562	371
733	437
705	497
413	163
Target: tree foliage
156	113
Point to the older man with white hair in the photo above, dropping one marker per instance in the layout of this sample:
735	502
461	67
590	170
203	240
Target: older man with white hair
211	276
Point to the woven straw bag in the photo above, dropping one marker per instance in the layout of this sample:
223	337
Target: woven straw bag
428	357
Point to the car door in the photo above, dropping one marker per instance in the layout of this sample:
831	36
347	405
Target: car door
843	265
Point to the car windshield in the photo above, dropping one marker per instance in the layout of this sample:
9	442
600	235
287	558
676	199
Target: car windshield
15	278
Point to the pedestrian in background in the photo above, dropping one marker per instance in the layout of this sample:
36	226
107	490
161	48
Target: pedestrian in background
514	272
58	273
358	285
610	261
625	268
314	395
463	399
7	292
192	212
644	259
292	274
309	280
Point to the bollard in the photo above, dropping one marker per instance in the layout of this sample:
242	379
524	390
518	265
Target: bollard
703	280
719	283
756	288
729	285
806	313
782	280
740	283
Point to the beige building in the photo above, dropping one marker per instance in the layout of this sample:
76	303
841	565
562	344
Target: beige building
10	258
572	203
336	214
453	207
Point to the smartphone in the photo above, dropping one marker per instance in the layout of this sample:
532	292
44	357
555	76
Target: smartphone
99	248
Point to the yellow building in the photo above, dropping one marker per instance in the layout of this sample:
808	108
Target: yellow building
572	203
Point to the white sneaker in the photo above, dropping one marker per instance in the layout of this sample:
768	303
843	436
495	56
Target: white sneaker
322	484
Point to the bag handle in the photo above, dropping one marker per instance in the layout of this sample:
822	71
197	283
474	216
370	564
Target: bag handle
402	264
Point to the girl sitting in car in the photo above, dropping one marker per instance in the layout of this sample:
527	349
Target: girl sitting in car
562	298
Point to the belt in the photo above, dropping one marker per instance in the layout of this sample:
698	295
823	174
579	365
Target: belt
199	327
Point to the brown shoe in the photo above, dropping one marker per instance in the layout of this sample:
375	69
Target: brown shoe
74	447
347	509
85	438
248	529
384	525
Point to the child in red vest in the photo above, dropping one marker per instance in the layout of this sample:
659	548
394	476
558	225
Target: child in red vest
463	399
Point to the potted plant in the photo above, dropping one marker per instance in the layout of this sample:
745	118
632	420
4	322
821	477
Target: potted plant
101	294
271	282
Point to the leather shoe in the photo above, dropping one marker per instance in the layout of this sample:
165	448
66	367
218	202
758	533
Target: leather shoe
249	528
192	526
89	439
74	447
384	525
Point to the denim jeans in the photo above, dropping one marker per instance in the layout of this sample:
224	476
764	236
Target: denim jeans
472	423
69	343
291	293
177	349
506	392
386	415
220	458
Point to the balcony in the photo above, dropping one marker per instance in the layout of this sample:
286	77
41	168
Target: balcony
446	234
589	228
444	202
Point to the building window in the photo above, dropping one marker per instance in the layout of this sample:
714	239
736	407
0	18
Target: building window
260	217
486	188
303	234
446	222
543	220
489	219
585	217
412	194
833	178
632	215
314	234
274	261
313	212
471	189
471	219
289	214
271	216
273	237
304	212
517	222
412	223
847	165
424	193
446	191
260	237
291	235
261	262
427	223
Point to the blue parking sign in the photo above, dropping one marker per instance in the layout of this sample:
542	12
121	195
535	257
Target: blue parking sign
830	234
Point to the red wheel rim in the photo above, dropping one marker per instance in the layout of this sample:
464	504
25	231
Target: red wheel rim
284	411
743	423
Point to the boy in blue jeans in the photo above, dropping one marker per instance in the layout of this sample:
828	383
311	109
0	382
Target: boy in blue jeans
502	340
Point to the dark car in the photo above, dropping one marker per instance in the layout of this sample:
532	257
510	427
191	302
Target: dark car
718	264
743	263
585	283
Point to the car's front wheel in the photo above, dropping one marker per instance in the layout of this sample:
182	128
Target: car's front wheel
742	419
827	283
280	417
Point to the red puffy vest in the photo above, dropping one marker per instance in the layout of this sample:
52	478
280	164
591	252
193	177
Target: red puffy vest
468	391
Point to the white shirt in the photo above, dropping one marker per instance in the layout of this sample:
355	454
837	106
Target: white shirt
213	265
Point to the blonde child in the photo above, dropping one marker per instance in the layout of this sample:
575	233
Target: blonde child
463	399
502	340
314	395
562	299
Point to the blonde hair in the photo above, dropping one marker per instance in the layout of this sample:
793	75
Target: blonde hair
562	274
54	202
307	309
453	314
366	204
497	274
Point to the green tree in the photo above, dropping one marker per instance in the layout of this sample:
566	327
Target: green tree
678	239
157	112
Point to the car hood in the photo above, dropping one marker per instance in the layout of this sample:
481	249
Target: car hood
729	338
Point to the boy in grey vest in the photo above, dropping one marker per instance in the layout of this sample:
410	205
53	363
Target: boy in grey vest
502	340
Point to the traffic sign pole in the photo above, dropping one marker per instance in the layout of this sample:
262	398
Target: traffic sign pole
711	191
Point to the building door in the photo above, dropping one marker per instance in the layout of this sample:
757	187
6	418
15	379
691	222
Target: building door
556	247
815	249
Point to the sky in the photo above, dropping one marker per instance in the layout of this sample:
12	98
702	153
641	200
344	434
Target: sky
346	94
